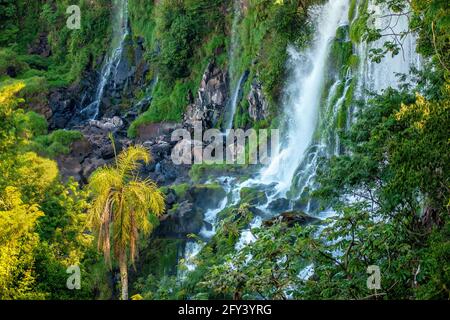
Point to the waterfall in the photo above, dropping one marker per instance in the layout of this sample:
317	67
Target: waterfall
303	96
312	101
236	84
193	248
109	70
378	76
235	98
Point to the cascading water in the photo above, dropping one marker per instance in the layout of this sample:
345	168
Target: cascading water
236	83
378	76
232	105
312	102
193	248
109	69
303	96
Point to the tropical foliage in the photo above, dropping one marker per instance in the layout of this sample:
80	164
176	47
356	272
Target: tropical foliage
121	207
394	165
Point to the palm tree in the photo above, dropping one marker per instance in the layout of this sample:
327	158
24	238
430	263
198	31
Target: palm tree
121	208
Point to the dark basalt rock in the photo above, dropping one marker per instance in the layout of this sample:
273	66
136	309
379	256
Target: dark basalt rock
182	220
292	218
41	46
258	105
185	210
279	205
211	100
94	150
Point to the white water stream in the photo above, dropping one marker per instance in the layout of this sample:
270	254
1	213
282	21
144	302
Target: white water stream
296	160
303	96
235	84
109	70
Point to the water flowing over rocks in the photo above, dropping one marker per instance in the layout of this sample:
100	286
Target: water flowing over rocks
66	101
129	74
186	209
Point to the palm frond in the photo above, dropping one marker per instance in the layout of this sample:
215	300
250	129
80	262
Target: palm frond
130	159
121	205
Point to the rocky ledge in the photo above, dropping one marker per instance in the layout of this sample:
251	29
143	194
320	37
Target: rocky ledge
211	100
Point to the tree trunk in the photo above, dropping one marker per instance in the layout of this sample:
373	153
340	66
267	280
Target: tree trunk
124	277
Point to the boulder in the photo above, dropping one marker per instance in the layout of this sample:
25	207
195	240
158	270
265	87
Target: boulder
253	196
182	220
292	218
108	124
279	205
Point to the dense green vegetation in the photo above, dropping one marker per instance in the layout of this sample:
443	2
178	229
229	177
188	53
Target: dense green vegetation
395	163
42	219
183	37
191	34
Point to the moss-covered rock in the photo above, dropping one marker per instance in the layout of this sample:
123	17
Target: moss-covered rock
358	26
341	51
253	196
292	218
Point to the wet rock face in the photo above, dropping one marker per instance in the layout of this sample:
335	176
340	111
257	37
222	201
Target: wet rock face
62	105
126	77
129	74
209	104
278	205
179	223
258	104
65	102
185	210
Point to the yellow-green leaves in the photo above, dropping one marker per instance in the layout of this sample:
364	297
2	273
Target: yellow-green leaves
122	203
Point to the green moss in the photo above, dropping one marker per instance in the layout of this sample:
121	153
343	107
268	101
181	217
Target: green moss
142	22
358	26
341	51
171	93
353	61
9	59
343	111
180	190
352	10
56	143
252	196
200	172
